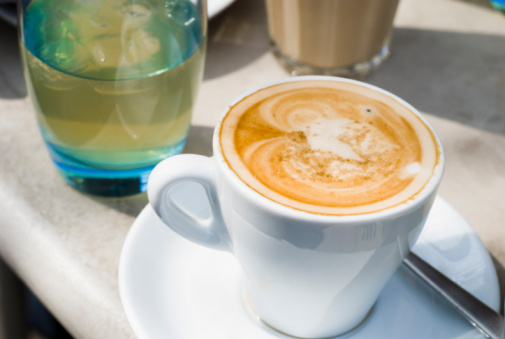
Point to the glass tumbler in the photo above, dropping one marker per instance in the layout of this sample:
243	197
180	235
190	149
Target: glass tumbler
347	38
113	84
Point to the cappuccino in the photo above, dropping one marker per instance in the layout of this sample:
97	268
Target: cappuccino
328	147
326	153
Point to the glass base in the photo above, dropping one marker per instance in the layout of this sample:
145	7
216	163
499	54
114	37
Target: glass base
357	71
111	186
106	182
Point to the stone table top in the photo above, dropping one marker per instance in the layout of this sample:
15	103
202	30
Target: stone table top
447	60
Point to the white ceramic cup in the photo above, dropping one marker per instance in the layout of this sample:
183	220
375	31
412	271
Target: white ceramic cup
306	275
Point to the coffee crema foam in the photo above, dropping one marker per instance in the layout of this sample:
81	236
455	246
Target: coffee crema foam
328	147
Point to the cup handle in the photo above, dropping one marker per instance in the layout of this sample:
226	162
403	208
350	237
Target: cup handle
177	169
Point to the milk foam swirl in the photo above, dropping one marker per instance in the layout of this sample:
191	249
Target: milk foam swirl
328	150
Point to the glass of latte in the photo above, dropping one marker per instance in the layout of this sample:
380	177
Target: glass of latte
348	38
319	186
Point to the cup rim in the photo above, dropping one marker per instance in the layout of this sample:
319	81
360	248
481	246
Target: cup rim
273	206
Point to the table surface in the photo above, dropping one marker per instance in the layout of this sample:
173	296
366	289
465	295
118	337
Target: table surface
447	60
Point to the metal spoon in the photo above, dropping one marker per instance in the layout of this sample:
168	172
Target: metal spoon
485	319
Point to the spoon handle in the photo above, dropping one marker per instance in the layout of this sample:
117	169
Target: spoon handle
482	317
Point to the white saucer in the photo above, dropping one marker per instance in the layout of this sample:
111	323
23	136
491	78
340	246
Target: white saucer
171	288
214	7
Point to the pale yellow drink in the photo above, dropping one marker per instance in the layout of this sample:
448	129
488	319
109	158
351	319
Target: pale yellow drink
113	82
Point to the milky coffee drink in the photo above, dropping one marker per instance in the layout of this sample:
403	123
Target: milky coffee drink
327	147
328	34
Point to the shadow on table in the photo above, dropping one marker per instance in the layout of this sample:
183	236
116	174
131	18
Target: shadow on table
481	3
12	84
452	75
236	37
131	205
199	140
